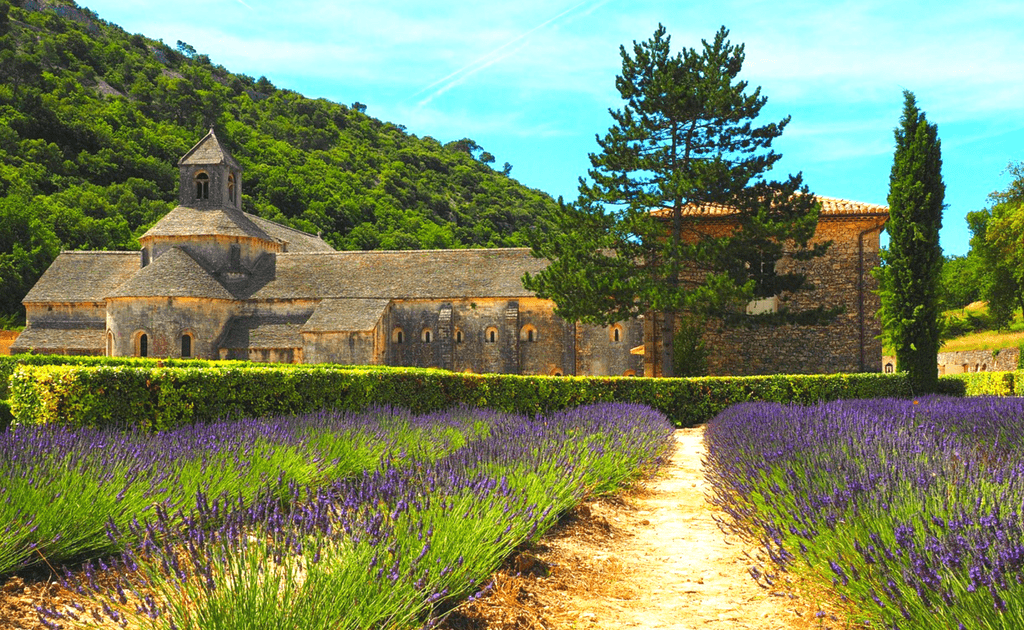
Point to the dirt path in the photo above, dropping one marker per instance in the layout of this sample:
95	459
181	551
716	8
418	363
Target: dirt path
653	558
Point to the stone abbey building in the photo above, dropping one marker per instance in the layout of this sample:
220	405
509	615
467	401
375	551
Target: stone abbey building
214	282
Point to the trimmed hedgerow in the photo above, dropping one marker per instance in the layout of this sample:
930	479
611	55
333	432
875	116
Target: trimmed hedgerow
158	398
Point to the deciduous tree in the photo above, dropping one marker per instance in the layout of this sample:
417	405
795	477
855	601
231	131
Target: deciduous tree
997	239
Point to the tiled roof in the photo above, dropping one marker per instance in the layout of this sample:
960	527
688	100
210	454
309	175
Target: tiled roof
355	314
421	274
84	276
50	340
298	241
266	332
208	151
830	207
173	274
185	221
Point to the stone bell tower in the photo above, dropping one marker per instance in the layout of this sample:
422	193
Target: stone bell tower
210	177
209	222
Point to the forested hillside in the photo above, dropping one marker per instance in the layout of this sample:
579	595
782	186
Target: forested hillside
93	121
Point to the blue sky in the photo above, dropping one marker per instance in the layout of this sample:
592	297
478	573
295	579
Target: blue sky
531	81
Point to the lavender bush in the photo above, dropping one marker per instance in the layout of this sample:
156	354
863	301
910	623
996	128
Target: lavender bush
912	509
60	487
392	547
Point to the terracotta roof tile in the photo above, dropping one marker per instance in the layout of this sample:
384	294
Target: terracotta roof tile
830	207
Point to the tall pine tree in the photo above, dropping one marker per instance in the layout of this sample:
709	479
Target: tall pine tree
684	138
910	291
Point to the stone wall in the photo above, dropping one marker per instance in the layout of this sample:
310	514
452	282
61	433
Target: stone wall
505	336
164	320
842	278
1004	360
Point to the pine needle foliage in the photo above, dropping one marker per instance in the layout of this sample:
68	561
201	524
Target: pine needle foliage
684	137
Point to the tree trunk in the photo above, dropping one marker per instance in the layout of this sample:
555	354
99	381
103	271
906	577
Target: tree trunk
668	330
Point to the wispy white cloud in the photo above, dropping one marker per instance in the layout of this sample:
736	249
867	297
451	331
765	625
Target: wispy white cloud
500	53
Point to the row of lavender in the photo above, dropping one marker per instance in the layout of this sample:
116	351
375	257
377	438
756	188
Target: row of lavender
325	521
911	509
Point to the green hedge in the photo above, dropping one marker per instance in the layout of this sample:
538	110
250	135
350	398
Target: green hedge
163	397
10	363
159	394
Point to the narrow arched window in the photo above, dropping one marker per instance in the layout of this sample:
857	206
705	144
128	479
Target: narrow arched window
110	344
616	333
231	188
143	345
202	186
491	335
186	346
397	336
427	336
458	336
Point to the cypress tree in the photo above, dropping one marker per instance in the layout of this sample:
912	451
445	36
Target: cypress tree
910	296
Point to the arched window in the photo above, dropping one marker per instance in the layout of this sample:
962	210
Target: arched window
556	372
528	333
629	373
186	345
231	188
110	344
202	185
397	336
616	333
427	335
491	335
458	336
141	344
888	368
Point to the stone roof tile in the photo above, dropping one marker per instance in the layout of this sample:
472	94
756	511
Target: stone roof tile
264	332
419	274
50	340
297	240
341	315
208	151
174	274
185	221
77	276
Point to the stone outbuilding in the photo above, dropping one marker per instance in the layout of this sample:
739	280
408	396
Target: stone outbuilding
842	281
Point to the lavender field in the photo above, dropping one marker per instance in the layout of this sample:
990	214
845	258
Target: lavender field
911	511
379	519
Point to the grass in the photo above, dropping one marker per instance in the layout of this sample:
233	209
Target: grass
978	336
